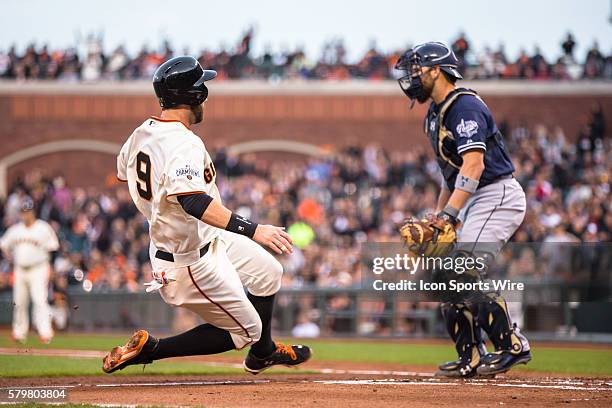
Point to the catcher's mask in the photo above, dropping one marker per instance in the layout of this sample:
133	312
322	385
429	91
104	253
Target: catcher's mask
430	54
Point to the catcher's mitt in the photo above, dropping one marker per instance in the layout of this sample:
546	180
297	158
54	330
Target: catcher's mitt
430	236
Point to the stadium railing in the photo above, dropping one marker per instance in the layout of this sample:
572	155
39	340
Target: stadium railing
343	312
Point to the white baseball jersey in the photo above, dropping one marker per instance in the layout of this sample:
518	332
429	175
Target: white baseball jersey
161	160
30	245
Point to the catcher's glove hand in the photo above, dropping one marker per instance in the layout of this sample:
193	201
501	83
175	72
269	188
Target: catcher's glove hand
431	236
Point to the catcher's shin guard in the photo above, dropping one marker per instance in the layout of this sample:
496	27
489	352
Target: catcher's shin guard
494	319
511	346
463	329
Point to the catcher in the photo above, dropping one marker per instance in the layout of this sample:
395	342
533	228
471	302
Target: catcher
479	190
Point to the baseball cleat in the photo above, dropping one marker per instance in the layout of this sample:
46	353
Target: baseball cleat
45	340
285	354
136	351
19	340
456	369
501	361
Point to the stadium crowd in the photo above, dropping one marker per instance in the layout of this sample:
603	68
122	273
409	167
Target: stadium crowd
90	62
330	205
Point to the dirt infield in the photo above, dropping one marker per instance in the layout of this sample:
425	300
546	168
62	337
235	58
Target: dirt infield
331	384
337	390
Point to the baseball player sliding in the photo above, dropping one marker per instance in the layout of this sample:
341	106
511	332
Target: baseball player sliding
31	244
203	255
480	191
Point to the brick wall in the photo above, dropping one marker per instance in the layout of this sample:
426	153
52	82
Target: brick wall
29	119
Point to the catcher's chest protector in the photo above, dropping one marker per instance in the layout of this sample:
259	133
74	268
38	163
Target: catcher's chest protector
443	141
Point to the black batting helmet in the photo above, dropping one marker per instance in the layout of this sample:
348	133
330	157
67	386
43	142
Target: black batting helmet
180	81
430	54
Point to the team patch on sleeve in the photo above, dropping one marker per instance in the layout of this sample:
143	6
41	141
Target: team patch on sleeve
185	171
188	172
467	128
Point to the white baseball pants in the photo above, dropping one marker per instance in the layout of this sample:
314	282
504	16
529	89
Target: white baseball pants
213	286
31	284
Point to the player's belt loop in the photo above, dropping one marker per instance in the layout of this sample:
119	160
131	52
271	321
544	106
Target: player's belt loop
167	256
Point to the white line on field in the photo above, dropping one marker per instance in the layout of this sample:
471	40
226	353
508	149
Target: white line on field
27	387
373	372
427	378
184	383
497	384
383	382
391	381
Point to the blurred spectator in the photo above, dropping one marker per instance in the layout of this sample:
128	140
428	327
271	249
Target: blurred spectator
305	327
461	47
568	46
597	124
117	63
5	64
539	65
90	63
59	302
331	205
594	64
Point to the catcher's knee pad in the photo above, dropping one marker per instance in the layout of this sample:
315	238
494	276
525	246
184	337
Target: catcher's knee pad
464	331
494	319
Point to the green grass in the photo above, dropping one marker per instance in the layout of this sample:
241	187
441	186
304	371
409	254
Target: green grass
102	342
45	366
381	352
546	359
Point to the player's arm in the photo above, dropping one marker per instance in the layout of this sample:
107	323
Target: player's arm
209	210
470	130
185	181
443	197
52	245
6	243
214	191
467	180
122	162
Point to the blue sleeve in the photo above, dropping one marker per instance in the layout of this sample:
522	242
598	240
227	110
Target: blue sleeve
470	129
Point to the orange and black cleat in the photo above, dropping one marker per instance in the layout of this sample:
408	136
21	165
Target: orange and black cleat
137	350
286	355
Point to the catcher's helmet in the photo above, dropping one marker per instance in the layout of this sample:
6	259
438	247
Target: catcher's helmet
180	81
27	204
430	54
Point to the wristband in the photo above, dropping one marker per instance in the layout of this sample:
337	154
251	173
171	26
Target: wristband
466	184
449	214
240	225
